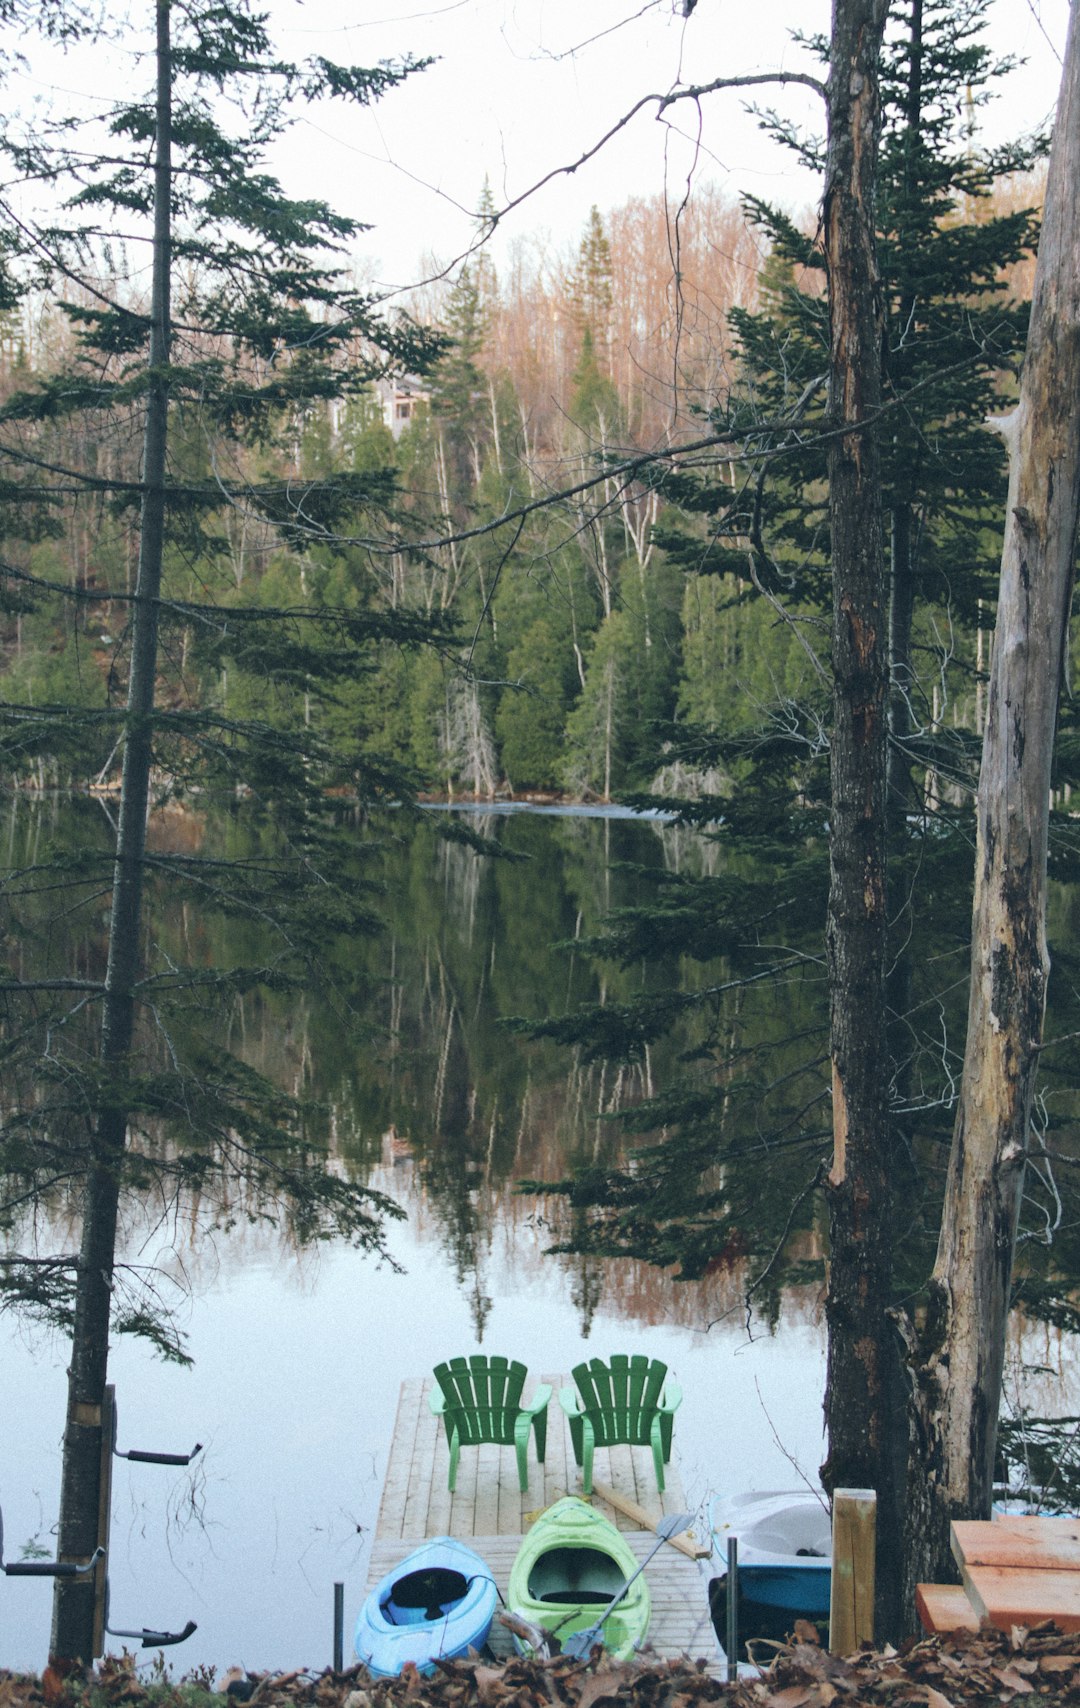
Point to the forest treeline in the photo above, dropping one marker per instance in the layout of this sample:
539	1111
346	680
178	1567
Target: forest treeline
617	607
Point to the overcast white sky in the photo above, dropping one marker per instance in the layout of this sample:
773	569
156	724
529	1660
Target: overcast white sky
522	87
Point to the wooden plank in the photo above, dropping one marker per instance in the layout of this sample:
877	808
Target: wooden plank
851	1613
463	1511
421	1468
558	1453
440	1501
1037	1544
1010	1595
944	1607
396	1486
488	1459
686	1544
622	1473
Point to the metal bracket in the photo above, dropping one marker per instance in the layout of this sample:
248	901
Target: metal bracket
46	1568
156	1639
137	1455
149	1639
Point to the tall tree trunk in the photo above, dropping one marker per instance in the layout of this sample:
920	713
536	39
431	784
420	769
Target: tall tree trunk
901	542
957	1359
901	675
73	1603
856	1400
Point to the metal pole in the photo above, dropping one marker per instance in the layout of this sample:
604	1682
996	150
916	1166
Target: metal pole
339	1627
732	1609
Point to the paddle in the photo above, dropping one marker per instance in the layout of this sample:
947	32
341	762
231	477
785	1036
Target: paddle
580	1643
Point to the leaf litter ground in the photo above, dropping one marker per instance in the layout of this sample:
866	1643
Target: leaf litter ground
938	1672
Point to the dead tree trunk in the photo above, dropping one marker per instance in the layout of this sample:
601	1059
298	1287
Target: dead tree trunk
957	1358
856	1400
73	1603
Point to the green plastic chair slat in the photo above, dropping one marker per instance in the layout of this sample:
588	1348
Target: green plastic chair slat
479	1400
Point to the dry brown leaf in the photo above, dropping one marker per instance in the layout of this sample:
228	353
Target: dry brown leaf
487	1680
806	1632
52	1686
1057	1663
935	1699
601	1684
1011	1679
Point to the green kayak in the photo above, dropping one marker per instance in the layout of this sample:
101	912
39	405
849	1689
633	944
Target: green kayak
570	1565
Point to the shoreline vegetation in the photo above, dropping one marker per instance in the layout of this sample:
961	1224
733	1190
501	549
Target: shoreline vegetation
941	1672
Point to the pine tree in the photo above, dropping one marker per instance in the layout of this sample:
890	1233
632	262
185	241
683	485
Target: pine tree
249	328
759	543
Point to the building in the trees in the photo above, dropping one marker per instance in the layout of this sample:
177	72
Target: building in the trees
400	397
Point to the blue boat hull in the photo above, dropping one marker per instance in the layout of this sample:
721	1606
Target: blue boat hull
436	1605
800	1589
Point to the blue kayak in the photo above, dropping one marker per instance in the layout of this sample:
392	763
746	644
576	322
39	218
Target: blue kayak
436	1605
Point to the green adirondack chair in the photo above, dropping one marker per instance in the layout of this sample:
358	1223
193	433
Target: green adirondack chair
479	1399
627	1401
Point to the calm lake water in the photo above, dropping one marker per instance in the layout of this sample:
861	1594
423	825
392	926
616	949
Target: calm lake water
299	1354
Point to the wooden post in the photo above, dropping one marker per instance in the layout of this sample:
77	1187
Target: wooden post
108	1441
854	1537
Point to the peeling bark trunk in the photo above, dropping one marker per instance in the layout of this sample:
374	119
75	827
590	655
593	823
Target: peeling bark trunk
856	1401
74	1598
957	1358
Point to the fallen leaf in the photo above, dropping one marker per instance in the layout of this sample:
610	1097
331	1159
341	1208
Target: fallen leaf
601	1684
52	1686
1011	1679
487	1680
1058	1663
806	1632
935	1699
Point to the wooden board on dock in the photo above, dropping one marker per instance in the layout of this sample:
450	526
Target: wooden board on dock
489	1512
1031	1542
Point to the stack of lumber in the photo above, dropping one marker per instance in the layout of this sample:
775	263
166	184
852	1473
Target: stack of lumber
1014	1570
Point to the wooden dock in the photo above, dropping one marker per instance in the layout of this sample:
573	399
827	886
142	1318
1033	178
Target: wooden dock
489	1511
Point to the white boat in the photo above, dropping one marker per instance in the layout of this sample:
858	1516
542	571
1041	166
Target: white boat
785	1546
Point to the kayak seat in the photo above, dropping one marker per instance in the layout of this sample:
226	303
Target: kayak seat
479	1400
575	1598
626	1402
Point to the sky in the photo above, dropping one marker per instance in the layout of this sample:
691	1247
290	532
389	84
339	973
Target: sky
523	88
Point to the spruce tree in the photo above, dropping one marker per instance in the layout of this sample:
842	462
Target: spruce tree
252	324
754	729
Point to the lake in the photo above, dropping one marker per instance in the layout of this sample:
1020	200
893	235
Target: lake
298	1354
